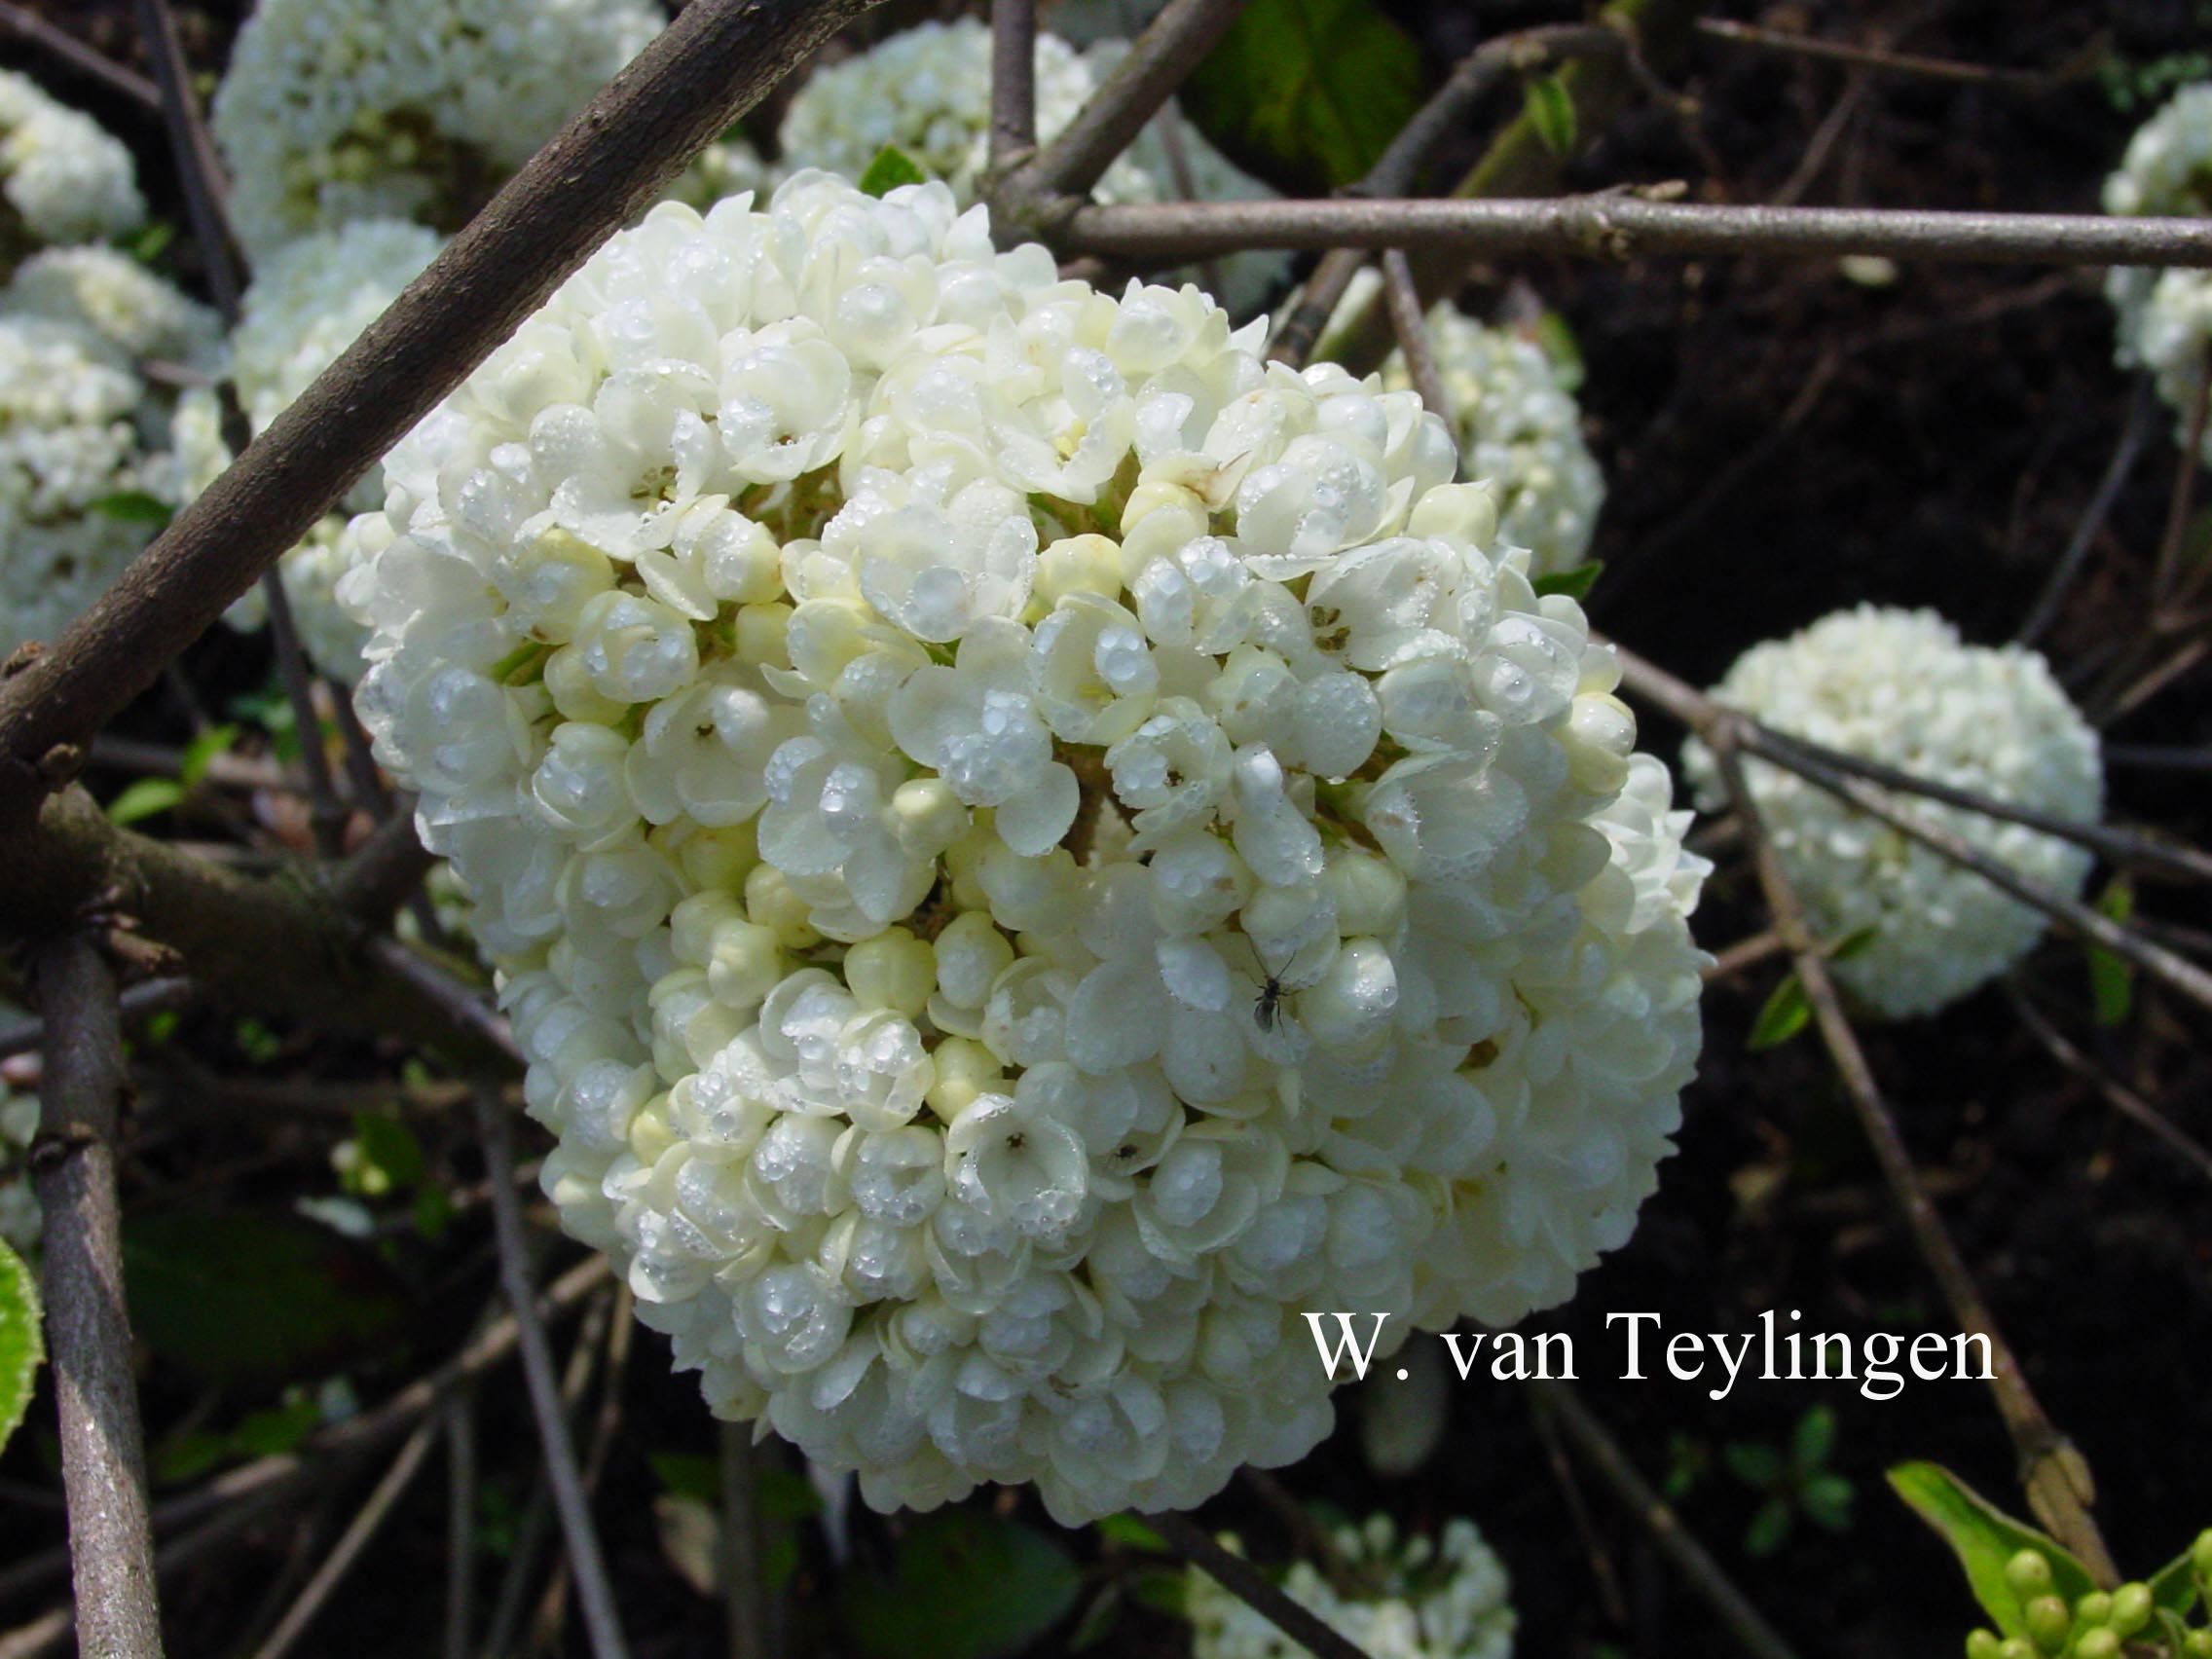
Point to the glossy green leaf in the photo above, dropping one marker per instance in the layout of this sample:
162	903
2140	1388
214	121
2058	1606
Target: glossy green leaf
1785	1014
23	1341
891	168
1575	583
147	798
1985	1539
1307	92
255	1297
961	1585
1551	112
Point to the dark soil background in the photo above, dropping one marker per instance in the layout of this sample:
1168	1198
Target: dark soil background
1780	440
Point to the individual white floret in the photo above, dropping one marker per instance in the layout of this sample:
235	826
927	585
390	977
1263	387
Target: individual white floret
308	300
1441	1598
1899	686
2164	317
333	110
1025	847
927	91
64	176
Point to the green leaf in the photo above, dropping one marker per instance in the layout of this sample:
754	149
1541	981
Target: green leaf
1307	92
1770	1527
1826	1500
1554	337
1131	1533
23	1341
891	168
1985	1539
148	798
1551	112
255	1297
201	752
1856	942
1785	1014
962	1585
1814	1440
151	241
1575	583
390	1155
1752	1463
2112	977
2173	1587
136	506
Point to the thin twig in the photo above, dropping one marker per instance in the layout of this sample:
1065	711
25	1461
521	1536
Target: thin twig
1627	224
1397	170
1412	330
364	1526
30	26
2160	757
2167	571
141	1000
325	812
594	1593
2117	1094
194	151
165	761
1745	1622
103	1452
622	1327
461	1522
2070	562
1013	81
463	1006
1787	43
1242	1579
2052	1470
1167	49
744	1585
1744	953
707	68
1602	1567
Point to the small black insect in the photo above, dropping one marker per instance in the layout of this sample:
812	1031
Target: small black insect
1266	1007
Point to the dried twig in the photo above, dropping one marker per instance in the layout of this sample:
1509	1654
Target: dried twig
1242	1579
103	1453
1013	81
1626	224
1166	50
1565	1407
2063	575
28	25
347	1551
595	1594
1787	43
1412	329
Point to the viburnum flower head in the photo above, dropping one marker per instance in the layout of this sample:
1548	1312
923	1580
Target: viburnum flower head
2164	317
413	109
1900	686
1446	1597
1025	848
63	177
927	93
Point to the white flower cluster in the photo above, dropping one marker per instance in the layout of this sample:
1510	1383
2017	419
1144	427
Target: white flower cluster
308	302
65	178
1900	687
85	440
927	90
1444	1598
2165	316
415	109
1025	847
1518	429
